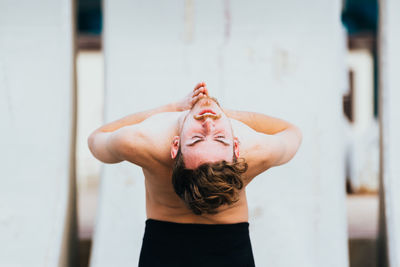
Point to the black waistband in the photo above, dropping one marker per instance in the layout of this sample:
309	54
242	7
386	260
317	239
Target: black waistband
165	227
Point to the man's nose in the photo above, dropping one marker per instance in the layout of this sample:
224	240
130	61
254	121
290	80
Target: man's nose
208	124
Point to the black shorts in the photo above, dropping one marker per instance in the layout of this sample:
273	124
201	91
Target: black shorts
193	245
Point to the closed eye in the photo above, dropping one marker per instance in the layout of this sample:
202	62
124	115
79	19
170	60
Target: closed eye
195	139
222	140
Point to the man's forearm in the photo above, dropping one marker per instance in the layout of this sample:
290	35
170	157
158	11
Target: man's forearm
259	122
137	117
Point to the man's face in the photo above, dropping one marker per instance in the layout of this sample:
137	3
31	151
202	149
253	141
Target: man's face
206	135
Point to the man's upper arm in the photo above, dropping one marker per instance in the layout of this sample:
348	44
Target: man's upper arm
262	151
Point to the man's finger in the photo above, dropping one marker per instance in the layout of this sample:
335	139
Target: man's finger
205	91
196	98
198	95
202	84
198	91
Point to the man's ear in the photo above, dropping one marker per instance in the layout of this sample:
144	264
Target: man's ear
236	146
175	147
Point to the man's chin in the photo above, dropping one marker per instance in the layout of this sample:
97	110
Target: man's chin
201	100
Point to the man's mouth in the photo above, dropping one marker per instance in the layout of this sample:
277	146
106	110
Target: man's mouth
207	113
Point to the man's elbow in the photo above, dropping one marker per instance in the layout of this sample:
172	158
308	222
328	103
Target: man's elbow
289	143
299	136
296	142
90	142
98	146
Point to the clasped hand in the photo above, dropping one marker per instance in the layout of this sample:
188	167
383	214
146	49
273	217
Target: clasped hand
199	91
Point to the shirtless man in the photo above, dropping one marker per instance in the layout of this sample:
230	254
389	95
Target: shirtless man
197	159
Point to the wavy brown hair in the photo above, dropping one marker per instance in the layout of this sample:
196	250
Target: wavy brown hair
210	185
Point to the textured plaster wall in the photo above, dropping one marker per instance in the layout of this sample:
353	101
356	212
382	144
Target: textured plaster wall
282	58
389	44
36	114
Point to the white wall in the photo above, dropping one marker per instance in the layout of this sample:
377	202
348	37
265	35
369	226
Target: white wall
389	65
36	114
282	58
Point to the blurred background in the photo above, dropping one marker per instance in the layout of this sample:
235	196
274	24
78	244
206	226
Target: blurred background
360	107
325	61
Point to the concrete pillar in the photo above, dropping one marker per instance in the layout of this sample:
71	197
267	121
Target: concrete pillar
283	58
389	65
37	133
